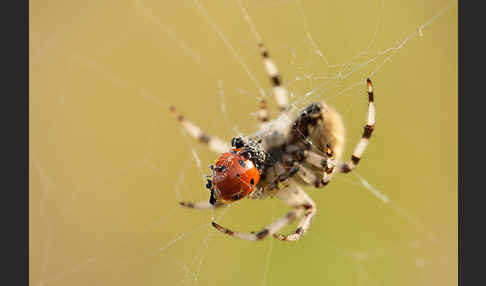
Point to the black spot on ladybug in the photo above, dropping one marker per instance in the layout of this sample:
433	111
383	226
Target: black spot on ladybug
241	163
246	154
236	197
238	175
221	168
252	182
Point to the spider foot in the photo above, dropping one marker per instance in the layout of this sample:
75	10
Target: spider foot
222	229
299	232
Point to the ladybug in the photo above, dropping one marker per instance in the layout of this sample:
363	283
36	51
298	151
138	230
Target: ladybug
234	175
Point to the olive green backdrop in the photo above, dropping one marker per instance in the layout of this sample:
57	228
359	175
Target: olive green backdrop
108	164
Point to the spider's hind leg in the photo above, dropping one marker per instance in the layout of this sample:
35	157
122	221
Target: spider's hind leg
269	230
368	130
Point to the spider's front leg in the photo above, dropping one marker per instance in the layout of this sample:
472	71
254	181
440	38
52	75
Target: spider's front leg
205	205
215	144
295	195
269	230
304	224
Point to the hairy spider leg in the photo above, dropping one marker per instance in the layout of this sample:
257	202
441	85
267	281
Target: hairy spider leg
205	205
214	144
294	196
327	164
280	93
368	130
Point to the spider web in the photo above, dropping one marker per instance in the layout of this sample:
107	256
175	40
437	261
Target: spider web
109	165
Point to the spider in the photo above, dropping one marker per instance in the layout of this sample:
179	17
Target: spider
281	156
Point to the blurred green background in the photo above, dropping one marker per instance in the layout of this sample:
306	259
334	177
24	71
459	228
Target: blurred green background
108	164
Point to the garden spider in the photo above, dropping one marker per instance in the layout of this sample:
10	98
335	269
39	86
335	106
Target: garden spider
281	155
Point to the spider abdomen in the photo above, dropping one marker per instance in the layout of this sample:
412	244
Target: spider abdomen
330	131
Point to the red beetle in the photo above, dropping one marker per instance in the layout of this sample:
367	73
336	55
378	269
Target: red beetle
234	176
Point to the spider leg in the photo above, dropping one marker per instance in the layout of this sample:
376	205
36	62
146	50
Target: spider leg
280	171
204	205
215	144
307	175
263	112
279	91
277	174
292	196
269	230
311	177
327	164
368	130
304	224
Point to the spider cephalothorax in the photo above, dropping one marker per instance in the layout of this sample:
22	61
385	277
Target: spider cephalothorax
283	154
